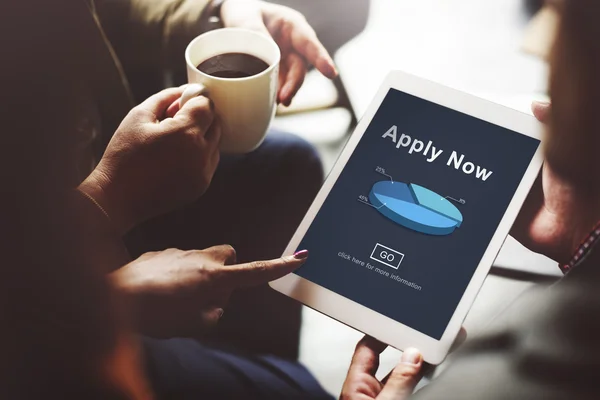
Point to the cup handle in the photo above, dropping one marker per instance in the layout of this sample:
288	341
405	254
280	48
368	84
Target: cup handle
192	90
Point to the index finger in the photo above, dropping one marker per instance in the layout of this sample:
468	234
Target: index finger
366	356
198	112
260	272
305	41
158	103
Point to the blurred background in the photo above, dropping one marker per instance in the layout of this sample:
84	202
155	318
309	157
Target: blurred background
488	48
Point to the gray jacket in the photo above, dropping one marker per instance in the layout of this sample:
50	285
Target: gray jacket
546	346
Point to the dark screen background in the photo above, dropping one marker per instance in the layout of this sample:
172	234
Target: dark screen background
441	265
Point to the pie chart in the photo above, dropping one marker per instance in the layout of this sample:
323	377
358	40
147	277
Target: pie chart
415	207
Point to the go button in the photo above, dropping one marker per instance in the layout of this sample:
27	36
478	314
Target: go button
387	256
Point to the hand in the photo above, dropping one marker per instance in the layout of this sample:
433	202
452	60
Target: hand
183	293
296	39
557	214
361	383
156	163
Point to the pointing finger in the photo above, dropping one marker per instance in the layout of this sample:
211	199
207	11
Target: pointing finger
260	272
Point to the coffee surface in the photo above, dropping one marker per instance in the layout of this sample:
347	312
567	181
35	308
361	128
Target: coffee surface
233	65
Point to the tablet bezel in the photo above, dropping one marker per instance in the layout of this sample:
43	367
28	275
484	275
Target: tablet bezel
369	321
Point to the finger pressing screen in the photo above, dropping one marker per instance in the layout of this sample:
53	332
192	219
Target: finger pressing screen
261	272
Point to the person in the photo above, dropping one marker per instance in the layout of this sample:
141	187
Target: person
149	38
70	75
546	344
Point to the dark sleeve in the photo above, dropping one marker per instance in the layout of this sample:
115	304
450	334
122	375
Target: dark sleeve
546	346
149	37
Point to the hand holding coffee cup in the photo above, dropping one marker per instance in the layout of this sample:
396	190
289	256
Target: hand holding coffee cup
238	70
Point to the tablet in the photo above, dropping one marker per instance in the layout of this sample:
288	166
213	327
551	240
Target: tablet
409	221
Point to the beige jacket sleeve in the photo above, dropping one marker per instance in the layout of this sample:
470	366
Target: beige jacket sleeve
150	34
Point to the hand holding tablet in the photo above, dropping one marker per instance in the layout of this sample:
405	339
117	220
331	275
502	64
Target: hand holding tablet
411	218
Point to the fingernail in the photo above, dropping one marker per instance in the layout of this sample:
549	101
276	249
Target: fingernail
301	255
540	104
220	313
411	356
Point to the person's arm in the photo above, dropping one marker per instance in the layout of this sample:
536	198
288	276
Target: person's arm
102	243
138	177
150	37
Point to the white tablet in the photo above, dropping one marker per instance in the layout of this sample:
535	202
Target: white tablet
412	216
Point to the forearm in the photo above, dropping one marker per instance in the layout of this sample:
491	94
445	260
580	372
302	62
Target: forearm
103	246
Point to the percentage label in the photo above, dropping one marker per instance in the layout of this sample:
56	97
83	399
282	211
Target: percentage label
461	201
363	198
380	170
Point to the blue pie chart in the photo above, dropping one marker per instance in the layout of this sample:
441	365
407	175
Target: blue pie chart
415	207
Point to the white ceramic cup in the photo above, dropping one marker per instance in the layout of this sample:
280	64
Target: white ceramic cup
244	106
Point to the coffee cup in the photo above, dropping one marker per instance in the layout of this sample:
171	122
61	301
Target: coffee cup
244	96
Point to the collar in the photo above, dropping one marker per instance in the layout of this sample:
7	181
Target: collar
583	251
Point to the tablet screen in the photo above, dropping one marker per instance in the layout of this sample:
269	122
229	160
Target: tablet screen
411	215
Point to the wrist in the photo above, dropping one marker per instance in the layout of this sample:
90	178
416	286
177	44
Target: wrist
121	282
96	188
102	245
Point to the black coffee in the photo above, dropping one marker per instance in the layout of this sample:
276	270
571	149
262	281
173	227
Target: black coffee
233	65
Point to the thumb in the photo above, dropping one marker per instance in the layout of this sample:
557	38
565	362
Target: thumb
541	110
158	104
403	379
